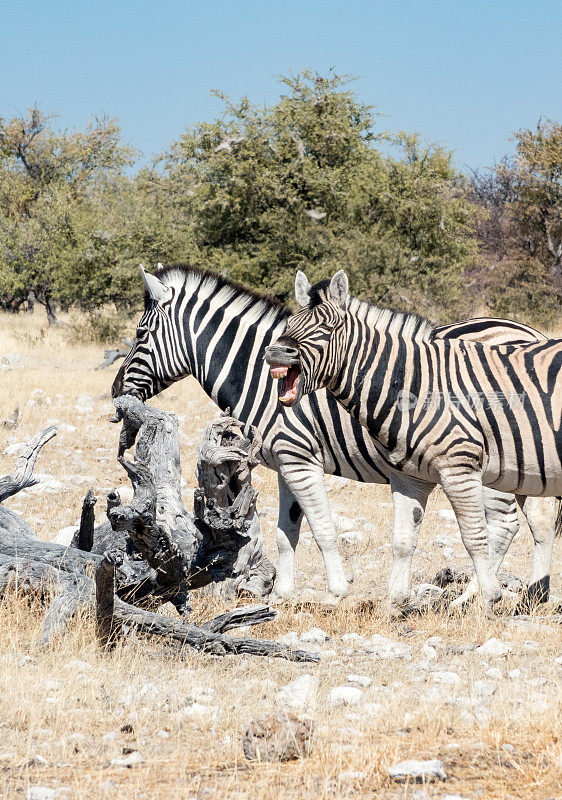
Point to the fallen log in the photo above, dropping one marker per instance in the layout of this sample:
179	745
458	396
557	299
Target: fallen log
152	550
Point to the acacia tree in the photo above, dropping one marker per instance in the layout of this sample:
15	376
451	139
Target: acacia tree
309	183
521	233
59	213
537	199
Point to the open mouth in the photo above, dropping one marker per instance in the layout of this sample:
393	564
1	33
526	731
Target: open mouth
288	378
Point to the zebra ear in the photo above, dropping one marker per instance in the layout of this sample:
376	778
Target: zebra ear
302	289
339	288
154	286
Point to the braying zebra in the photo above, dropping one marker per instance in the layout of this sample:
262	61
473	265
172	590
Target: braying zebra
451	411
200	324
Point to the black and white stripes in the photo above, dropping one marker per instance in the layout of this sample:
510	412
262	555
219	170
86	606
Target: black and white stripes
451	411
200	324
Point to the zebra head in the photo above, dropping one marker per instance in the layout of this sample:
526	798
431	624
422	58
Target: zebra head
308	355
151	365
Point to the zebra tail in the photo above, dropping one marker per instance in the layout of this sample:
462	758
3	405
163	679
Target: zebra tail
558	523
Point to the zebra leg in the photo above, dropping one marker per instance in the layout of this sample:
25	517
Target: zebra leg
541	515
502	523
464	491
288	531
409	498
307	486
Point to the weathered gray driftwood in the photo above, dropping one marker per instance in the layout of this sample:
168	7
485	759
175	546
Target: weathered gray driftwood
152	550
23	475
111	356
114	615
221	541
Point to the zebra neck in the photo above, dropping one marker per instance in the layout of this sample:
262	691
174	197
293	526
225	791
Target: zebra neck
228	355
374	381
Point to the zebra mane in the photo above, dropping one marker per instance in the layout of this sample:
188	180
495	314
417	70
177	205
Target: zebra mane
389	320
229	291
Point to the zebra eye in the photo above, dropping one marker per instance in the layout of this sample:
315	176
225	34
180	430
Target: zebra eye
142	330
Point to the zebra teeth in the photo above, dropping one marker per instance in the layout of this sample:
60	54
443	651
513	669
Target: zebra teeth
278	372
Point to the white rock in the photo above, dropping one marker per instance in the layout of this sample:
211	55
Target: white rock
352	775
494	647
291	639
448	514
418	770
453	797
300	692
449	678
126	494
494	673
41	793
514	674
345	696
200	712
343	524
484	690
360	680
381	647
314	636
351	537
429	652
421	794
354	637
64	536
15	449
77	665
48	484
428	591
130	760
11	359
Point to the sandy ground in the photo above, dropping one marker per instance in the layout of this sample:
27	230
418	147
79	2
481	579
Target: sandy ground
492	719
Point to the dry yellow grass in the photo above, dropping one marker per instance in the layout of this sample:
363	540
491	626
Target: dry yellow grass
75	714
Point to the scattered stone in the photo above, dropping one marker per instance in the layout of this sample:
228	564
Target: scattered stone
418	771
291	639
495	673
448	514
12	359
41	793
360	680
65	535
108	786
381	647
281	737
315	636
350	776
494	647
356	638
300	692
343	524
514	674
450	678
133	759
15	449
37	761
200	712
345	696
453	797
351	537
427	592
421	794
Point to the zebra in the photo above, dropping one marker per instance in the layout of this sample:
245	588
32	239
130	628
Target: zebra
493	416
201	324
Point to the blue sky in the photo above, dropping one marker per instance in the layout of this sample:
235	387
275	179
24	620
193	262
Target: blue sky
464	74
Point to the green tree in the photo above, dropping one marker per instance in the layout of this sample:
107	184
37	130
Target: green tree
309	183
537	193
61	199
